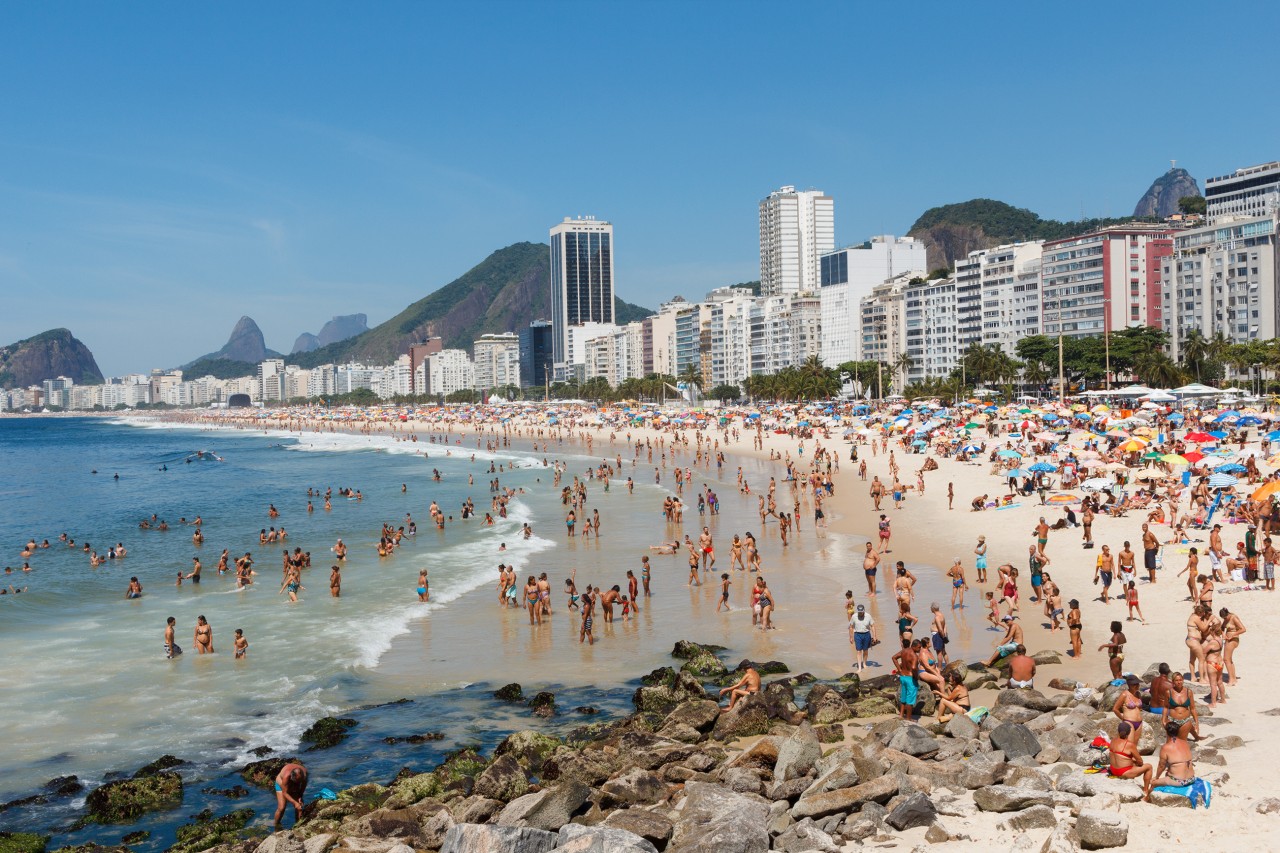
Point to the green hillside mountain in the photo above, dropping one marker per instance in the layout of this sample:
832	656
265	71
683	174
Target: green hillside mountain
500	294
47	355
952	231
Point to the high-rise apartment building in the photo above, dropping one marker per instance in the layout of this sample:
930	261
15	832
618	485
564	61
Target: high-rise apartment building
1010	287
931	337
1245	193
796	229
1223	278
497	361
847	275
581	278
419	353
536	362
1103	281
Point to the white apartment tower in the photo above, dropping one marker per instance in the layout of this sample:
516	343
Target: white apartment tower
846	276
796	229
1244	194
581	278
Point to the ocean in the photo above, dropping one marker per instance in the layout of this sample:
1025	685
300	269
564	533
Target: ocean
89	691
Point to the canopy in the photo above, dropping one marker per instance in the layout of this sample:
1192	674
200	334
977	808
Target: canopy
1195	389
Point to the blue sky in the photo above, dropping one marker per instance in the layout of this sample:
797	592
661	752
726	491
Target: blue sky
168	167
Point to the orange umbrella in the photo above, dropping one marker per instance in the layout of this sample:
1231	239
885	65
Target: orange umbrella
1266	490
1133	445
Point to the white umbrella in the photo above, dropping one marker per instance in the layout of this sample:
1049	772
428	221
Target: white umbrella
1096	484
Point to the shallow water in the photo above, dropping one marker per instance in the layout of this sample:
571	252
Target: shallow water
93	692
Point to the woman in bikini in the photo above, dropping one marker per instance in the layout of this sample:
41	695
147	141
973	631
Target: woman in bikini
953	698
1197	629
1205	596
1181	708
1213	659
1074	625
767	604
203	636
1232	628
1175	769
1128	707
927	665
1115	649
531	601
735	554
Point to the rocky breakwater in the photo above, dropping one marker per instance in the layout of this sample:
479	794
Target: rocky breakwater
679	774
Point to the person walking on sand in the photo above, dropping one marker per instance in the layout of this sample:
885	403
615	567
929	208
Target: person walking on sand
1103	571
980	561
885	533
724	593
862	635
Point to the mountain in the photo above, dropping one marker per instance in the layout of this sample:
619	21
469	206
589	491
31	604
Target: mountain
1161	199
48	355
305	342
245	345
953	230
501	294
337	329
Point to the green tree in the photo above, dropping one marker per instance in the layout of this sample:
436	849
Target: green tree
725	393
1191	205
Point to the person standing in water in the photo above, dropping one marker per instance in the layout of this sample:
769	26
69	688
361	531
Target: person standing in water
171	648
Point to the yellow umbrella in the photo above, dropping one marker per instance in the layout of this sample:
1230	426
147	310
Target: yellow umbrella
1274	460
1133	445
1174	459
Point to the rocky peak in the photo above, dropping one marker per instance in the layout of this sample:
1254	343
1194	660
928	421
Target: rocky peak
1161	199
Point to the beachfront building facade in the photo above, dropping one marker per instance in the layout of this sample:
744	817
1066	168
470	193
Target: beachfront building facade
1243	194
1010	293
497	361
448	371
730	336
536	359
785	330
617	356
693	340
1222	279
796	229
659	353
884	329
932	339
581	280
846	276
1105	280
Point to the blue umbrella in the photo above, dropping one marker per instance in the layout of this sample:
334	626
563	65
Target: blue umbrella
1274	435
970	448
919	443
1218	435
1176	417
1232	413
1009	454
1082	416
1222	481
1042	468
1016	472
1232	468
1249	420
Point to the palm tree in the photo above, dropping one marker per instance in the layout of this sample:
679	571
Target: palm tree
1195	350
1035	373
902	365
1158	370
691	376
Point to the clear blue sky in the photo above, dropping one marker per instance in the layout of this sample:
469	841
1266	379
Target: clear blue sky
167	167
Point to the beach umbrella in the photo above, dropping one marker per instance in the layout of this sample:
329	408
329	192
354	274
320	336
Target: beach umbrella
1096	484
1116	466
971	448
1218	434
1045	436
1231	468
1203	437
1266	490
1042	468
1152	455
1015	472
1222	481
1175	459
1147	474
1133	445
1006	453
1062	499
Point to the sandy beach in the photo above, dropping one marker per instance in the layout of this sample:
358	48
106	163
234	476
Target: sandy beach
811	580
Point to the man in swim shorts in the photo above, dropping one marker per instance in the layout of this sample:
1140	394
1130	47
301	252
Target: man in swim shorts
291	785
171	649
870	563
1022	669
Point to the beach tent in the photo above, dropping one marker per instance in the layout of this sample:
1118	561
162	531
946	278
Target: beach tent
1131	391
1195	389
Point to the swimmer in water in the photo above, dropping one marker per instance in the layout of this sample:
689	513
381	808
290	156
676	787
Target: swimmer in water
135	589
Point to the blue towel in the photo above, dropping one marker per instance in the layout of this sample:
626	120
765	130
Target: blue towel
326	794
1199	791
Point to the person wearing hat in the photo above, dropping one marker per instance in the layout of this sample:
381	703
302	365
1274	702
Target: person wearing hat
862	635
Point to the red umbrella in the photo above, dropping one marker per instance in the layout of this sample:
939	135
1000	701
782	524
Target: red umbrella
1193	456
1199	438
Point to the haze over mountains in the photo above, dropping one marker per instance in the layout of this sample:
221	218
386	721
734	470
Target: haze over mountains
512	286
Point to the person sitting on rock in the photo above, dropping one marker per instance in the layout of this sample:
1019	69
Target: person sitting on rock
1127	763
746	686
1022	669
1009	643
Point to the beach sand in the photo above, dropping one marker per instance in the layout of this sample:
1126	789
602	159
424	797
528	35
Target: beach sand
810	583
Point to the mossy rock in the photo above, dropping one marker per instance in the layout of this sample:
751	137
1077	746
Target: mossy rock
594	732
263	773
127	799
206	831
705	666
544	704
464	763
22	842
136	837
768	667
529	748
92	848
509	693
687	649
327	732
164	762
873	705
414	789
663	676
